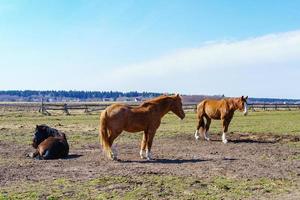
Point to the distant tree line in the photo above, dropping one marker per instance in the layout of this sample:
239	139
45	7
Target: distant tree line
273	100
82	95
62	95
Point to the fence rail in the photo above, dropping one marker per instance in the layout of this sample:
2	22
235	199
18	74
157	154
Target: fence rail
45	108
277	106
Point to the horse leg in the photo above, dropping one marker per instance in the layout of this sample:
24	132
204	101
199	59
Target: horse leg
47	155
200	125
143	145
225	124
150	137
207	125
33	155
112	154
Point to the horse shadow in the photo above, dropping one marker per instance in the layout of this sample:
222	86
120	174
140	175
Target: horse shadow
251	141
246	140
72	156
166	161
230	159
69	157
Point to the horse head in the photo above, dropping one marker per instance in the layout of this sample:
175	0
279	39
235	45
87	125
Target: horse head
241	104
176	106
42	132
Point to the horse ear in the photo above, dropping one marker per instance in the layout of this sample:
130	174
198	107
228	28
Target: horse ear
37	126
177	95
246	97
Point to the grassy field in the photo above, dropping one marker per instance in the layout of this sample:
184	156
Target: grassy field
17	128
81	128
148	187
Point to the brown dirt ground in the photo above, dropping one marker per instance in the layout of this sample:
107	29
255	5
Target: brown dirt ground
245	156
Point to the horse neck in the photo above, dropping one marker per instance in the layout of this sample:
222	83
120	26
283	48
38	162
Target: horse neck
164	106
232	104
53	132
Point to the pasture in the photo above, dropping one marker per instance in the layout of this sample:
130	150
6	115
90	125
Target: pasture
261	160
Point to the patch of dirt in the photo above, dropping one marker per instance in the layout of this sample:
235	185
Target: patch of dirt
262	138
245	156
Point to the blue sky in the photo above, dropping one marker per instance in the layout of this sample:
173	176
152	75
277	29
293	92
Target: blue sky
229	47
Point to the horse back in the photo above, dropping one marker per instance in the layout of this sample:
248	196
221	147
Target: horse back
211	108
131	119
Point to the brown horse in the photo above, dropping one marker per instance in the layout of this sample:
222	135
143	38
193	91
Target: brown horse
49	143
221	110
145	117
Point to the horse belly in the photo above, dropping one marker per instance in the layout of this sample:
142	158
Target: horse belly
213	114
136	122
134	127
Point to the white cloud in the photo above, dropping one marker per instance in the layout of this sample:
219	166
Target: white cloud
267	66
223	63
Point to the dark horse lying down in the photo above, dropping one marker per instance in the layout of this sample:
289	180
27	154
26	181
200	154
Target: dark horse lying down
49	143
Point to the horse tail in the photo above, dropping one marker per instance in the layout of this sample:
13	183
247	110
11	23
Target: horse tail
103	135
200	109
200	114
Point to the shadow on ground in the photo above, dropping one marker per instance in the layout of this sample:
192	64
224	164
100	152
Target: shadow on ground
167	161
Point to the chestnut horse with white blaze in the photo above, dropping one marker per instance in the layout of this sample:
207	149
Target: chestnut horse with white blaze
145	117
220	110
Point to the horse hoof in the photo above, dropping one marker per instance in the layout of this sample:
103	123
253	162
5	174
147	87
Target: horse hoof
149	157
39	158
207	139
142	154
225	141
30	155
114	158
197	137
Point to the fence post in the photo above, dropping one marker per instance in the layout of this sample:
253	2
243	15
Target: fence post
86	110
43	110
66	111
194	108
41	107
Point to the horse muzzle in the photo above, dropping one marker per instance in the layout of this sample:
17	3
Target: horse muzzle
245	109
182	116
34	144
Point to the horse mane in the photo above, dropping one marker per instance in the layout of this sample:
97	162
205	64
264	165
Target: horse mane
52	131
232	102
155	101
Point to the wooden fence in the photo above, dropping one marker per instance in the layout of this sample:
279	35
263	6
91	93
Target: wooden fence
46	108
277	106
86	107
89	108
